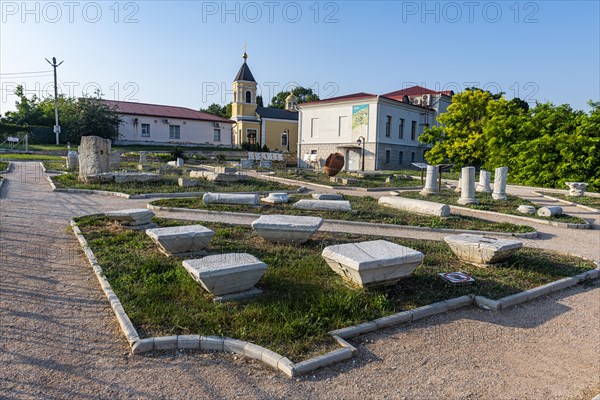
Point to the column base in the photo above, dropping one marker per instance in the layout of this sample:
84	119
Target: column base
499	196
426	192
467	201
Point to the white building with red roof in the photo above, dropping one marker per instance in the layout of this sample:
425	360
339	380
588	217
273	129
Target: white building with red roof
372	132
158	124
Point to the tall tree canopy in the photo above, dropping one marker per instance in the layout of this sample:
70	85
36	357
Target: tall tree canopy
304	95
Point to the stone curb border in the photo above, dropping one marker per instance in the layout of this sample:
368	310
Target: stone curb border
150	195
527	235
7	170
586	225
51	171
347	351
568	202
2	182
341	188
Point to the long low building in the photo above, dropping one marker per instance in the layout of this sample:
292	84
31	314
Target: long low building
372	132
159	124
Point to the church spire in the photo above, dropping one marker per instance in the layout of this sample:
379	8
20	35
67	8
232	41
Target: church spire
245	56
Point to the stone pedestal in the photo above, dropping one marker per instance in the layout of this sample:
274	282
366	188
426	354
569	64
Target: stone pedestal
467	189
135	218
484	185
576	189
371	263
94	156
481	250
286	228
180	240
500	183
431	181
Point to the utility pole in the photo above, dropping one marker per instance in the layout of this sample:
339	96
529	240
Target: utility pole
56	125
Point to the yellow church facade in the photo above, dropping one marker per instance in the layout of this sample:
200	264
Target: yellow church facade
276	128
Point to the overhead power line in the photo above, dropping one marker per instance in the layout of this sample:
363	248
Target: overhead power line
26	73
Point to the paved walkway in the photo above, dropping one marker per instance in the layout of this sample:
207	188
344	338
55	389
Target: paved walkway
59	338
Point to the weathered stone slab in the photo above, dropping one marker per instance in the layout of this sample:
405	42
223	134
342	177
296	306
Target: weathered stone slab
181	239
481	250
525	209
247	164
131	215
276	198
220	169
226	273
231	198
550	211
576	189
374	262
217	177
327	196
94	156
268	164
417	206
115	159
323	205
183	182
72	160
142	177
286	228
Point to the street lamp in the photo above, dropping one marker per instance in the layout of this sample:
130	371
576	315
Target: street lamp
361	141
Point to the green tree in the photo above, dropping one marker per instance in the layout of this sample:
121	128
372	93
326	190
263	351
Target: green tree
259	101
92	116
27	111
304	95
217	109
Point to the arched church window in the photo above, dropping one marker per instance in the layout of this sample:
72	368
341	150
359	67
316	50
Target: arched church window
284	139
248	96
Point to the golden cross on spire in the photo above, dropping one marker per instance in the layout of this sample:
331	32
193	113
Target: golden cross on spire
245	55
292	87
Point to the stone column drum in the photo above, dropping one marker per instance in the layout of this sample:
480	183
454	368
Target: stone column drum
94	156
467	188
431	181
484	182
500	183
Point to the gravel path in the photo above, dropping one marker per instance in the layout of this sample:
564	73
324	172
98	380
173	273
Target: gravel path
59	339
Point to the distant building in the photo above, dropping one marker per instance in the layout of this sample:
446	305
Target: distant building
275	127
159	124
388	126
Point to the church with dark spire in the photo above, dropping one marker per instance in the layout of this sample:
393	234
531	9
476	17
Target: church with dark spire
274	127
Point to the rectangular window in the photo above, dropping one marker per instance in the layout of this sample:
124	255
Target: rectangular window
401	129
412	157
174	131
413	130
314	127
217	137
145	130
388	126
387	156
400	156
342	125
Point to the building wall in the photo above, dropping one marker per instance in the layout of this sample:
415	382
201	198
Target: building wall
241	130
397	161
273	131
239	107
190	131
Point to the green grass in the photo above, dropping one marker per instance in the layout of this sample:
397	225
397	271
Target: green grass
169	185
487	203
3	165
585	200
369	181
28	157
55	165
364	209
302	297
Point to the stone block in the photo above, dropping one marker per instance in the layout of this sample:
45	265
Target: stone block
94	156
234	345
188	342
481	250
140	177
231	198
181	239
327	196
223	274
211	343
165	343
247	164
550	211
417	206
286	228
183	182
220	169
323	205
276	198
576	189
131	215
372	263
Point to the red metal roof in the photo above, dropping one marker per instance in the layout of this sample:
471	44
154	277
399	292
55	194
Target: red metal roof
157	110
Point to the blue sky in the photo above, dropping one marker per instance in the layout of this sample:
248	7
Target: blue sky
187	53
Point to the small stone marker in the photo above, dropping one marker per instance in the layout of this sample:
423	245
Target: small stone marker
94	156
179	162
247	164
456	278
576	189
327	196
481	250
171	163
184	182
467	189
230	275
179	240
550	211
431	181
371	263
500	183
484	185
276	198
323	205
115	160
143	157
417	206
231	198
225	170
144	167
268	164
286	228
135	218
127	177
525	209
72	160
349	181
